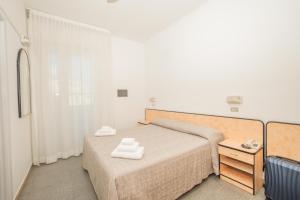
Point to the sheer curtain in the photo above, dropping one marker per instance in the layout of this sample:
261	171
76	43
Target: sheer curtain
71	85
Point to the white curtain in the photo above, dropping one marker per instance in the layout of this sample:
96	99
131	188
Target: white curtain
71	85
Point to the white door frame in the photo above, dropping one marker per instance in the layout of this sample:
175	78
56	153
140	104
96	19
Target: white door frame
5	141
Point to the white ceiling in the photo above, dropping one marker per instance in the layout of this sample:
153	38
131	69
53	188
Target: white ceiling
131	19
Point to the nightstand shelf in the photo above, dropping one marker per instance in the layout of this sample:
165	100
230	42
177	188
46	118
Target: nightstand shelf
241	167
237	175
236	164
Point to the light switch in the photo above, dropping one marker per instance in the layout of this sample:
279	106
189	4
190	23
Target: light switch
234	109
122	93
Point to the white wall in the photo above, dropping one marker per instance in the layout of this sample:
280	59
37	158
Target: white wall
247	48
19	128
5	154
15	9
128	73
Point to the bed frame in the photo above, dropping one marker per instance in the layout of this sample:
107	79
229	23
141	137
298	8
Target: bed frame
239	129
283	139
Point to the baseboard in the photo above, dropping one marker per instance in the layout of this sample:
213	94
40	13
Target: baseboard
22	183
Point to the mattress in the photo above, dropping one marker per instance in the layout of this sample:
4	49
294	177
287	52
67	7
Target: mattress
173	163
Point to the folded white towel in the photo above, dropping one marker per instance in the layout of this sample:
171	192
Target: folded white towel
128	148
128	155
128	141
106	131
106	128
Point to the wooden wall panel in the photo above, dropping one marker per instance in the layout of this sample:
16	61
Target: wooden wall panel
283	139
233	128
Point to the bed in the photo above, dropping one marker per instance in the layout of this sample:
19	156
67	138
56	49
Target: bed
177	157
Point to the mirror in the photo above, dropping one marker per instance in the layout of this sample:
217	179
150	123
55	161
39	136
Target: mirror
23	77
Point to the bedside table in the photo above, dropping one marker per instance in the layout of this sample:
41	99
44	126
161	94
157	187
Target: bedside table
143	123
241	167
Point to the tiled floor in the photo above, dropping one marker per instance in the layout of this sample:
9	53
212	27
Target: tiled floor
66	180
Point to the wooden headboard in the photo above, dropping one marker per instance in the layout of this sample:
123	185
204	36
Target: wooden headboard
239	129
283	139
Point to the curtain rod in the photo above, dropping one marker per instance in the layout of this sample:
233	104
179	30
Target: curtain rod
44	14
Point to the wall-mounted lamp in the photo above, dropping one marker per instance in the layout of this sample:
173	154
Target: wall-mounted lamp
25	41
152	101
234	102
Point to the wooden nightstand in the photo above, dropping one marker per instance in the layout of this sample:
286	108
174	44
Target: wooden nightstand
143	123
241	167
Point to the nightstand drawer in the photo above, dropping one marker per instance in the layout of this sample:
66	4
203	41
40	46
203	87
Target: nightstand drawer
238	155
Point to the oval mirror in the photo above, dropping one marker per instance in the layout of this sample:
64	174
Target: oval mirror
23	77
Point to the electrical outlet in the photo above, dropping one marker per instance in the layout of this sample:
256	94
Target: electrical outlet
234	109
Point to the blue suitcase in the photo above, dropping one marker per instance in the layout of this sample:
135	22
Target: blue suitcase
282	179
